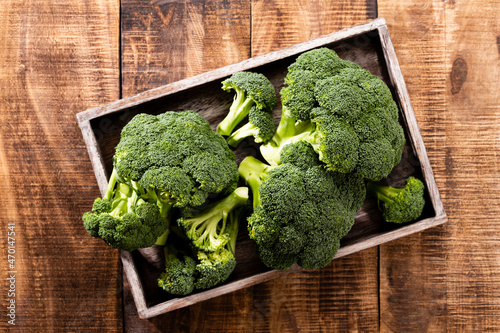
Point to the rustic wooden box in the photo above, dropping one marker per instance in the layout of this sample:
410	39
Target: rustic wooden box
370	46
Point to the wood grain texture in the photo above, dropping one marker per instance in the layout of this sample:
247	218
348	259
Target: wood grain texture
56	59
165	41
446	278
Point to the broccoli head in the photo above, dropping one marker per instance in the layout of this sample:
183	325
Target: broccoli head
347	114
178	155
126	220
250	89
179	276
301	210
399	205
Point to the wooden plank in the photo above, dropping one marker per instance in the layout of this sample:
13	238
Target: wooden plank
443	279
472	133
57	60
167	41
164	42
344	295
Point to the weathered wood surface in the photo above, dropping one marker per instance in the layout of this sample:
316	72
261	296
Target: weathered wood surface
446	278
56	59
59	59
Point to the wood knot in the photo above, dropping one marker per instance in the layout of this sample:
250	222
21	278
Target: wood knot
458	75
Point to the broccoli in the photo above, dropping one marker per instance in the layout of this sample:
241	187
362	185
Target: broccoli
399	205
180	271
347	114
126	220
208	229
251	89
171	160
196	264
301	209
178	154
260	125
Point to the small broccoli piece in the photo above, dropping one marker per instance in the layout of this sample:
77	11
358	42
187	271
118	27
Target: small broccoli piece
260	125
251	89
400	205
179	276
301	210
208	230
187	267
213	268
345	113
126	220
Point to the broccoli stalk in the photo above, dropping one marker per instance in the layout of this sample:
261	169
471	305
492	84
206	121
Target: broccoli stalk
208	230
251	89
254	171
399	205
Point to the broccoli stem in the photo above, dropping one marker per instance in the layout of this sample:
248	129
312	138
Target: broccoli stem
238	110
384	193
162	240
289	131
111	185
210	218
234	228
254	171
241	133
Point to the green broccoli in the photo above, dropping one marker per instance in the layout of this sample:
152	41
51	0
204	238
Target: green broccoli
179	276
188	264
260	125
251	89
170	160
207	230
345	113
301	210
126	220
399	205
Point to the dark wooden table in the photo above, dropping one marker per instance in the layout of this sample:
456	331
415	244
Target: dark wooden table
58	58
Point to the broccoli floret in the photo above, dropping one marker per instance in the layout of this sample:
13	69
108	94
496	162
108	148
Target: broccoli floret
301	210
126	220
213	268
171	160
208	230
251	89
399	205
345	113
260	125
179	276
193	267
323	62
177	154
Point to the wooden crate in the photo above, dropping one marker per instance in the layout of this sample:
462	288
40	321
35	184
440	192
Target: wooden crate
370	46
